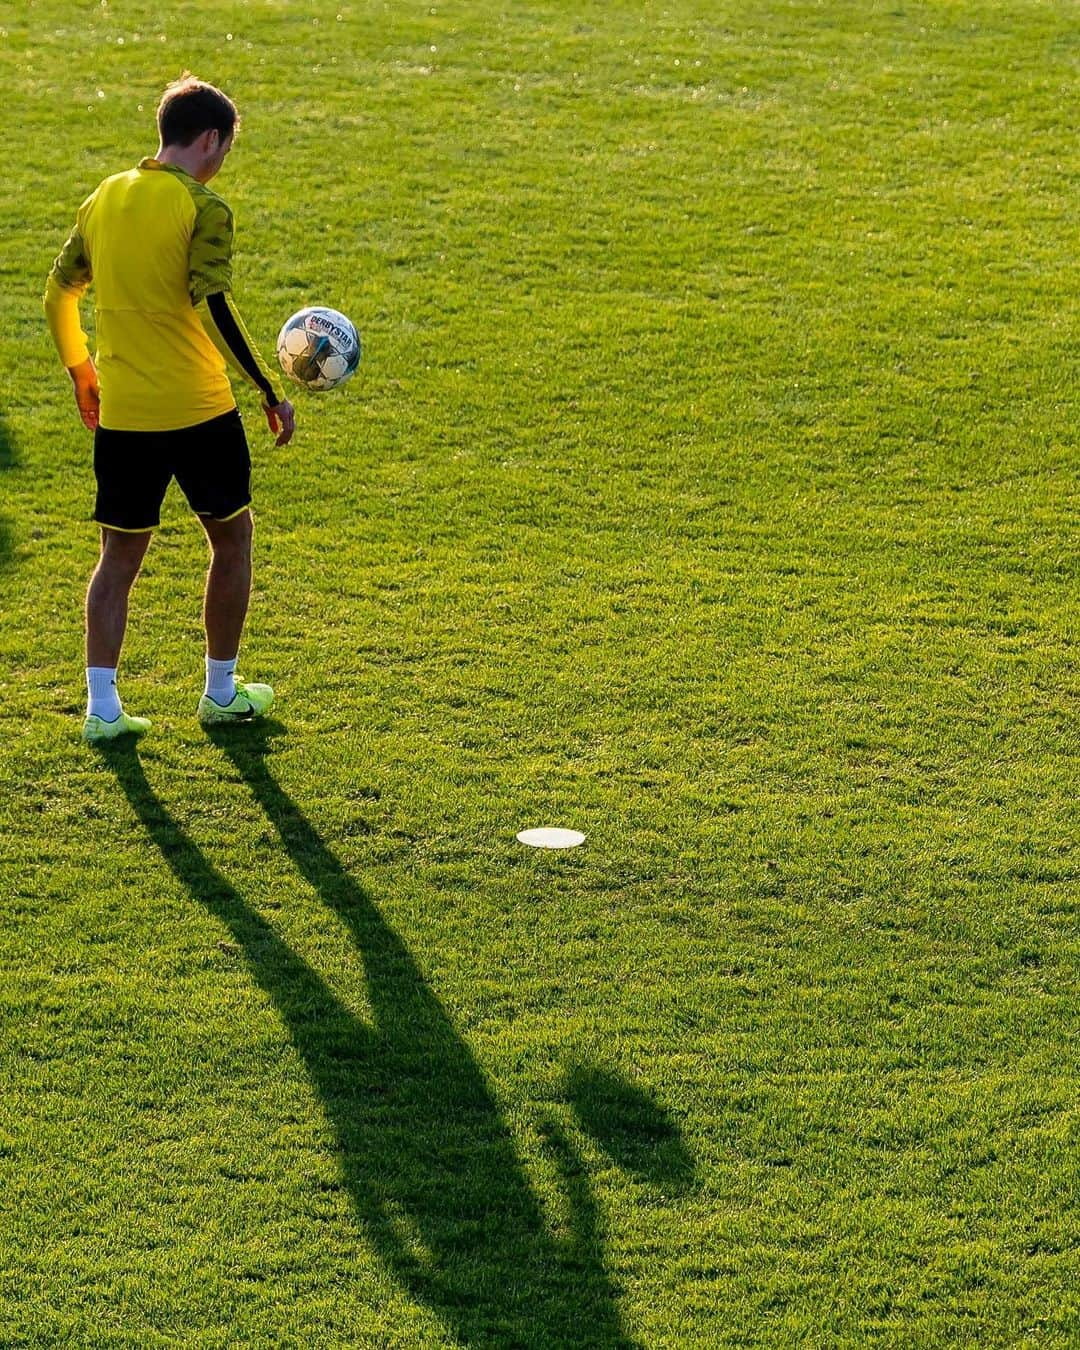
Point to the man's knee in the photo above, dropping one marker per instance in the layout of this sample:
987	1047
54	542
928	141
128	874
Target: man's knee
122	554
230	540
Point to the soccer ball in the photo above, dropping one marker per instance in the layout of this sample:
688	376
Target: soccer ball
318	348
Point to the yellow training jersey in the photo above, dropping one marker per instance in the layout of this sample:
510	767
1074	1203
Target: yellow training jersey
157	245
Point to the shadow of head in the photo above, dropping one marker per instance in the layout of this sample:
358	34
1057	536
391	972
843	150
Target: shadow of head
634	1130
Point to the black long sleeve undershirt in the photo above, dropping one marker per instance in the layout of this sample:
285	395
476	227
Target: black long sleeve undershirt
234	338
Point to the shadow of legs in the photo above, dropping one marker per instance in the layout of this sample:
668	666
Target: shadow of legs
421	1139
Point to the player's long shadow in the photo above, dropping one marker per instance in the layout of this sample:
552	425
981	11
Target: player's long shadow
427	1158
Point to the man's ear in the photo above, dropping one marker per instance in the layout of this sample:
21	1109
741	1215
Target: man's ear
211	140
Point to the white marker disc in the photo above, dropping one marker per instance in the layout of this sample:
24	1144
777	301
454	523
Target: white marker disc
551	838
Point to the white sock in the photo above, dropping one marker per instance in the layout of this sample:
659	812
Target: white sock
221	680
102	699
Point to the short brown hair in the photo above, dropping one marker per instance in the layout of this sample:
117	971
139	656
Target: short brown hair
189	107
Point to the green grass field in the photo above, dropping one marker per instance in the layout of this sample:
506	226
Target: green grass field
709	485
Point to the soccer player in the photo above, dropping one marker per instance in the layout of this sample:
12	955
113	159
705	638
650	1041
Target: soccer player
157	244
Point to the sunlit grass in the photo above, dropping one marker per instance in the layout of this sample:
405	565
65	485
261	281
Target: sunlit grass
708	485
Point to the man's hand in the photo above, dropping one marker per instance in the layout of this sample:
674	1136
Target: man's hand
87	394
282	420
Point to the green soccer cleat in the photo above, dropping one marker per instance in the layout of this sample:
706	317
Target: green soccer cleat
96	729
249	702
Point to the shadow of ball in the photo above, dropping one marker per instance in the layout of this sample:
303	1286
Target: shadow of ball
634	1130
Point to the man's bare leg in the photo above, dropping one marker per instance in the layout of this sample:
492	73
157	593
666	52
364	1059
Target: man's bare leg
228	588
228	584
106	622
107	597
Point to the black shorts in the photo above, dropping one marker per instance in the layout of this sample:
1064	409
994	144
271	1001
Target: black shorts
210	461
